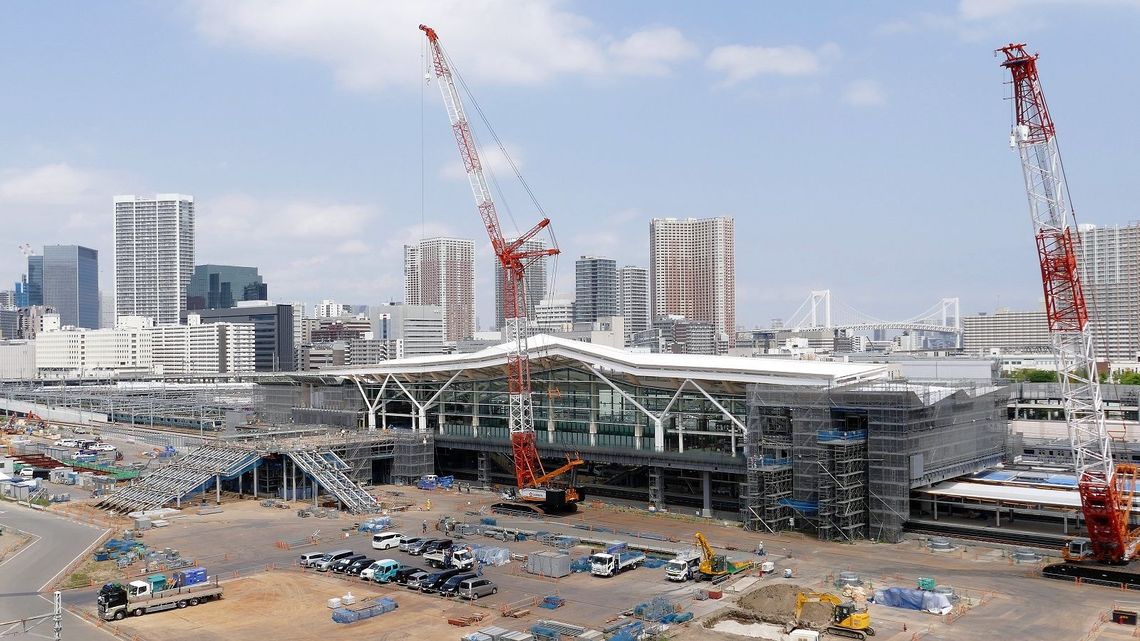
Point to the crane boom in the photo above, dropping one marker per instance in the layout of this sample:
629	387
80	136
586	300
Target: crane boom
1105	494
528	466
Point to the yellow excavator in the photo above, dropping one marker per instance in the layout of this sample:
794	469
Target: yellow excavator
716	565
846	619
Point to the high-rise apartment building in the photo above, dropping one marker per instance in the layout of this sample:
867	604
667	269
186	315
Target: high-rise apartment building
154	256
554	315
222	286
441	271
1005	331
331	309
595	289
633	300
692	271
534	279
71	284
1109	261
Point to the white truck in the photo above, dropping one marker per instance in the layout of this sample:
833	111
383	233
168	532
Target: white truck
610	563
137	598
684	566
459	558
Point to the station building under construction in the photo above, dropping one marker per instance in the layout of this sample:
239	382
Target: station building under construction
834	449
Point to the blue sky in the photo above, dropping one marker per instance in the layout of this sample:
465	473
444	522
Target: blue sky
861	147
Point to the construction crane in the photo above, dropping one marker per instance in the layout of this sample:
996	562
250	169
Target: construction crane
1106	488
513	259
713	565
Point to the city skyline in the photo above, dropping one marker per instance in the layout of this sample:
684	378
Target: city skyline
849	92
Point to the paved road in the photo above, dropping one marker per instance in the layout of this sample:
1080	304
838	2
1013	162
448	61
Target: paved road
55	544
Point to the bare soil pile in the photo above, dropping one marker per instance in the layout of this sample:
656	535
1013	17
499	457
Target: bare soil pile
776	603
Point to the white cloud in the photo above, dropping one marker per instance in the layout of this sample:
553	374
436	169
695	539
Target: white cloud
740	62
244	216
865	93
978	20
651	51
493	160
55	184
374	45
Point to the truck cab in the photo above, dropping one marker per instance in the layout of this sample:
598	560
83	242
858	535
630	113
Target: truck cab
683	567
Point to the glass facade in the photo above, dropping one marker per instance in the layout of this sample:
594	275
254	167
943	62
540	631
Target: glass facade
35	280
221	286
71	284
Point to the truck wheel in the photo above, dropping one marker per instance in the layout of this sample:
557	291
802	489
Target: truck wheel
181	604
119	615
138	612
193	601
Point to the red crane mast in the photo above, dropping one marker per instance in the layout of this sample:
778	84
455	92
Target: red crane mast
1106	488
514	261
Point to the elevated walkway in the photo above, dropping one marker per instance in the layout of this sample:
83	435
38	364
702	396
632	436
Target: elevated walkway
328	470
181	477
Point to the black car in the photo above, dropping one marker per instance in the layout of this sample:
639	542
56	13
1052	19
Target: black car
357	566
340	566
438	544
435	581
451	586
419	547
415	579
403	573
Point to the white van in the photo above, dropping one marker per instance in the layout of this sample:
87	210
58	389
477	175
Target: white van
387	540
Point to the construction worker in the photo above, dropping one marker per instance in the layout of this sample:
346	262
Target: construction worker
425	526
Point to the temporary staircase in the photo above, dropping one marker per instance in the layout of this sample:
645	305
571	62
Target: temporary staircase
180	477
328	470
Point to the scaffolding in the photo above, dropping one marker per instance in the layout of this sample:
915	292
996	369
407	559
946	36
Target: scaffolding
414	457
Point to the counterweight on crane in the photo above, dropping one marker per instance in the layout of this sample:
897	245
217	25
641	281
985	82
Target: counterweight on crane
514	260
1106	488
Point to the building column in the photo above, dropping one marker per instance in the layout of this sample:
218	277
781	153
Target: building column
423	418
935	507
549	419
706	487
997	515
255	480
638	433
474	411
658	434
240	493
218	488
593	414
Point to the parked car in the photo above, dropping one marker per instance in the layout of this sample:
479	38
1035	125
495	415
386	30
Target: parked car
407	543
419	547
386	540
330	558
415	579
102	447
66	442
450	586
382	571
404	573
358	566
433	582
476	587
310	558
341	566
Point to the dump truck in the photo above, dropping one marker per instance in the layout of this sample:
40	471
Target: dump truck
459	558
684	566
184	588
715	565
846	619
616	558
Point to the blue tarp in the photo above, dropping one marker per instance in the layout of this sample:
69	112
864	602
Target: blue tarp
909	599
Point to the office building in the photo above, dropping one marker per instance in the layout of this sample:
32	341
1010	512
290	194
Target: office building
679	335
410	330
692	271
10	324
106	310
1005	331
534	280
71	284
7	299
197	348
222	286
20	292
554	315
154	256
273	347
17	360
1109	261
35	280
331	309
441	271
633	300
595	289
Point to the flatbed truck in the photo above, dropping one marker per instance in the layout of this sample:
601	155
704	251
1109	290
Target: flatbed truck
116	601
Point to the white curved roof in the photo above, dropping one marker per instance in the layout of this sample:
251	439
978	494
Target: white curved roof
541	347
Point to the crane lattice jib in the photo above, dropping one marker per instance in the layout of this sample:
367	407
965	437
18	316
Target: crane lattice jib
1034	138
528	467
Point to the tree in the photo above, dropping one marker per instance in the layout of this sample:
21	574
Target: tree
1033	376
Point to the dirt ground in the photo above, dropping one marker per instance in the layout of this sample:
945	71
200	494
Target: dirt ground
10	543
291	606
777	604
